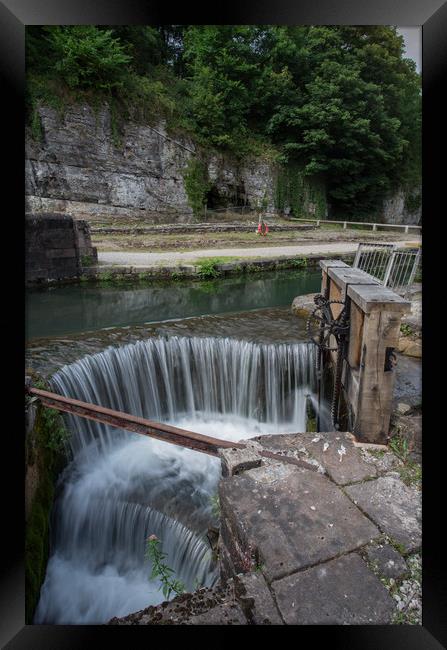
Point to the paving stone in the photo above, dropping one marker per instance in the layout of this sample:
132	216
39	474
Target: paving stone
343	468
207	606
387	560
393	506
340	592
291	518
256	600
225	614
236	460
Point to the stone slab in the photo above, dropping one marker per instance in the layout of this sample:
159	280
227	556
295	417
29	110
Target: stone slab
234	461
388	562
207	606
225	614
340	592
393	506
291	518
343	468
256	599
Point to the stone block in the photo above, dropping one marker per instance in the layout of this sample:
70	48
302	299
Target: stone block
388	562
393	506
234	461
59	253
290	518
256	599
303	305
345	467
341	592
336	452
224	614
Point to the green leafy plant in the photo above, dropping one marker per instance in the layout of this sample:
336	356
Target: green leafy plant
87	260
300	263
399	446
215	505
86	56
197	184
410	472
107	276
207	269
160	569
405	329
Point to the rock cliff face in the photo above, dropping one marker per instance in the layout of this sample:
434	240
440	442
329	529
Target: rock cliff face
396	209
77	168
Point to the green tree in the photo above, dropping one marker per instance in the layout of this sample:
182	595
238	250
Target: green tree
88	57
349	120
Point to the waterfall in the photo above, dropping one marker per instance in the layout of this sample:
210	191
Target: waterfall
121	487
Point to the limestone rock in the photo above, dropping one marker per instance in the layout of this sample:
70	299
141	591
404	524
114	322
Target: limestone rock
303	305
387	561
340	592
393	506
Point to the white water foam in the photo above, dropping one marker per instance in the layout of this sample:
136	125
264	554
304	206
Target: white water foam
122	487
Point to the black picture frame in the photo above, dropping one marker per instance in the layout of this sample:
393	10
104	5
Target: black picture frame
432	15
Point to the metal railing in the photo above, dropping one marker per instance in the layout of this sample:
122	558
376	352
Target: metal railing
374	226
394	268
373	259
402	269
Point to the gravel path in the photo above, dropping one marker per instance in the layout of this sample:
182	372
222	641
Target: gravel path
173	257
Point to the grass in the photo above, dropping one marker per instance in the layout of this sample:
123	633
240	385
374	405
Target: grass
215	505
182	242
410	472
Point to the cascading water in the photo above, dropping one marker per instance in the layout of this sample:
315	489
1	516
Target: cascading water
122	487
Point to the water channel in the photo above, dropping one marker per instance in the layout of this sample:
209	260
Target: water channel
226	359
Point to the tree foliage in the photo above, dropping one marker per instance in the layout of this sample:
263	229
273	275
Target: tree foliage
338	101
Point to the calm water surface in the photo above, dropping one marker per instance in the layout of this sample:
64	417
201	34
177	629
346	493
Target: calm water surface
61	311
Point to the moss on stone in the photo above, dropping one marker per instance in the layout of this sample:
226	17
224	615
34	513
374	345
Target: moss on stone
44	448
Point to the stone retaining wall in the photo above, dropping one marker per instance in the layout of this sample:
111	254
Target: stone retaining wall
57	247
167	229
117	274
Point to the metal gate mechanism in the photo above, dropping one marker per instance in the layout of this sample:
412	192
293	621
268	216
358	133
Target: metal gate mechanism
321	325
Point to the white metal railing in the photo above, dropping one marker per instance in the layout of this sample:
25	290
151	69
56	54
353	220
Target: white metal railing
394	268
402	269
406	227
374	258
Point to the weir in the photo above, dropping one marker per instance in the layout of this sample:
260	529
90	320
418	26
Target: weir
121	487
208	395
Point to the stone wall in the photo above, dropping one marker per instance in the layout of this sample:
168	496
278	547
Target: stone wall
78	168
56	247
399	209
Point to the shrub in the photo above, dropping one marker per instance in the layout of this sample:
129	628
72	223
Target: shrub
197	184
88	57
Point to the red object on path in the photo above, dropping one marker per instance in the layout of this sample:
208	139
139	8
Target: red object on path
262	227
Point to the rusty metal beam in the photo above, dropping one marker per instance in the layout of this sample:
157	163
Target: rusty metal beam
158	430
121	420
